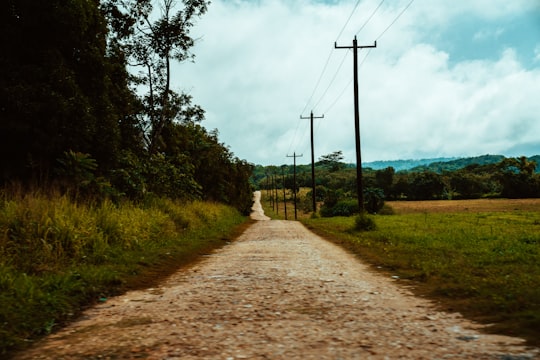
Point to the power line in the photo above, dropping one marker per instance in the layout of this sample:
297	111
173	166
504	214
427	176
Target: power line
339	96
329	57
331	81
331	52
346	86
396	19
349	19
322	97
367	21
318	81
324	70
369	50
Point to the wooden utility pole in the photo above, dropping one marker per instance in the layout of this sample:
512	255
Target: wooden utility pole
294	183
359	186
284	195
312	161
268	190
275	205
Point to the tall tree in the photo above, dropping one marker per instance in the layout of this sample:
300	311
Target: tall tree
155	33
55	86
333	161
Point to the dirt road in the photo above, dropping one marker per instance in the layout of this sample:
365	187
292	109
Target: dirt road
278	292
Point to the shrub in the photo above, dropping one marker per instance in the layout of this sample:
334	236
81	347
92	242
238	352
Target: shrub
363	222
373	200
341	208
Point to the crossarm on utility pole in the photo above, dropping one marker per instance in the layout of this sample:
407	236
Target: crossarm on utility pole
294	183
359	185
313	161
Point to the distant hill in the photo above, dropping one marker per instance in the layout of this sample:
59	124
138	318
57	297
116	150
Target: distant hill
452	165
400	165
439	165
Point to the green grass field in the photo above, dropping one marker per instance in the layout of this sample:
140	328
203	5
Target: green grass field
485	264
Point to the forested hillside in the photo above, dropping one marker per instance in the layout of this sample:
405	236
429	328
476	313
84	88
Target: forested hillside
468	178
73	117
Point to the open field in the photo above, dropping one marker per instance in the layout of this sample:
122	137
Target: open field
471	206
477	257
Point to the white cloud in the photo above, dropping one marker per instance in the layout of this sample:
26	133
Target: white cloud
488	34
258	62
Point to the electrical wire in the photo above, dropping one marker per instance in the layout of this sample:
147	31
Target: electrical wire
349	19
371	16
331	81
341	64
346	86
396	19
330	56
318	81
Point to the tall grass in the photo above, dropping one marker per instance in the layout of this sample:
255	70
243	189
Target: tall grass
57	256
485	265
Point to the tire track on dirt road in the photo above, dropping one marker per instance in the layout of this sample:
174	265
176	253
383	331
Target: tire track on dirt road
277	292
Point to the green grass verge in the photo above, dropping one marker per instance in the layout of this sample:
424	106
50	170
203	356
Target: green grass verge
484	265
58	257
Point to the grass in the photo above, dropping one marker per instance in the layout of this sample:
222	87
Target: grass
57	257
483	264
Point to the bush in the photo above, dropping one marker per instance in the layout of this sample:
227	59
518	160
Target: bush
341	208
364	223
373	200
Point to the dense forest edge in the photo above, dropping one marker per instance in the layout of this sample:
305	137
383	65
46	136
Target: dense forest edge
107	176
88	105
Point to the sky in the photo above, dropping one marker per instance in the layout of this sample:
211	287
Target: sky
447	79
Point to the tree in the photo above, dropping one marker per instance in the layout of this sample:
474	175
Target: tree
517	179
385	180
425	186
56	87
332	161
153	37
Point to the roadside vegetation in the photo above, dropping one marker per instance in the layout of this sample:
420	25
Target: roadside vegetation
108	180
59	256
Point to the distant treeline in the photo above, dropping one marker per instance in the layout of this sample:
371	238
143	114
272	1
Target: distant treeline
486	176
74	118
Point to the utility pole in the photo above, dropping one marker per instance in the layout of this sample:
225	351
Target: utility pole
359	186
284	195
312	161
274	180
268	190
294	182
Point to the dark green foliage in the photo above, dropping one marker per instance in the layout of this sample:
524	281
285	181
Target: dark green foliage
56	90
425	186
333	162
373	200
511	177
71	119
517	178
341	208
363	222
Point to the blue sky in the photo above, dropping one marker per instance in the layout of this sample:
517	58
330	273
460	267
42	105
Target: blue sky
448	78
